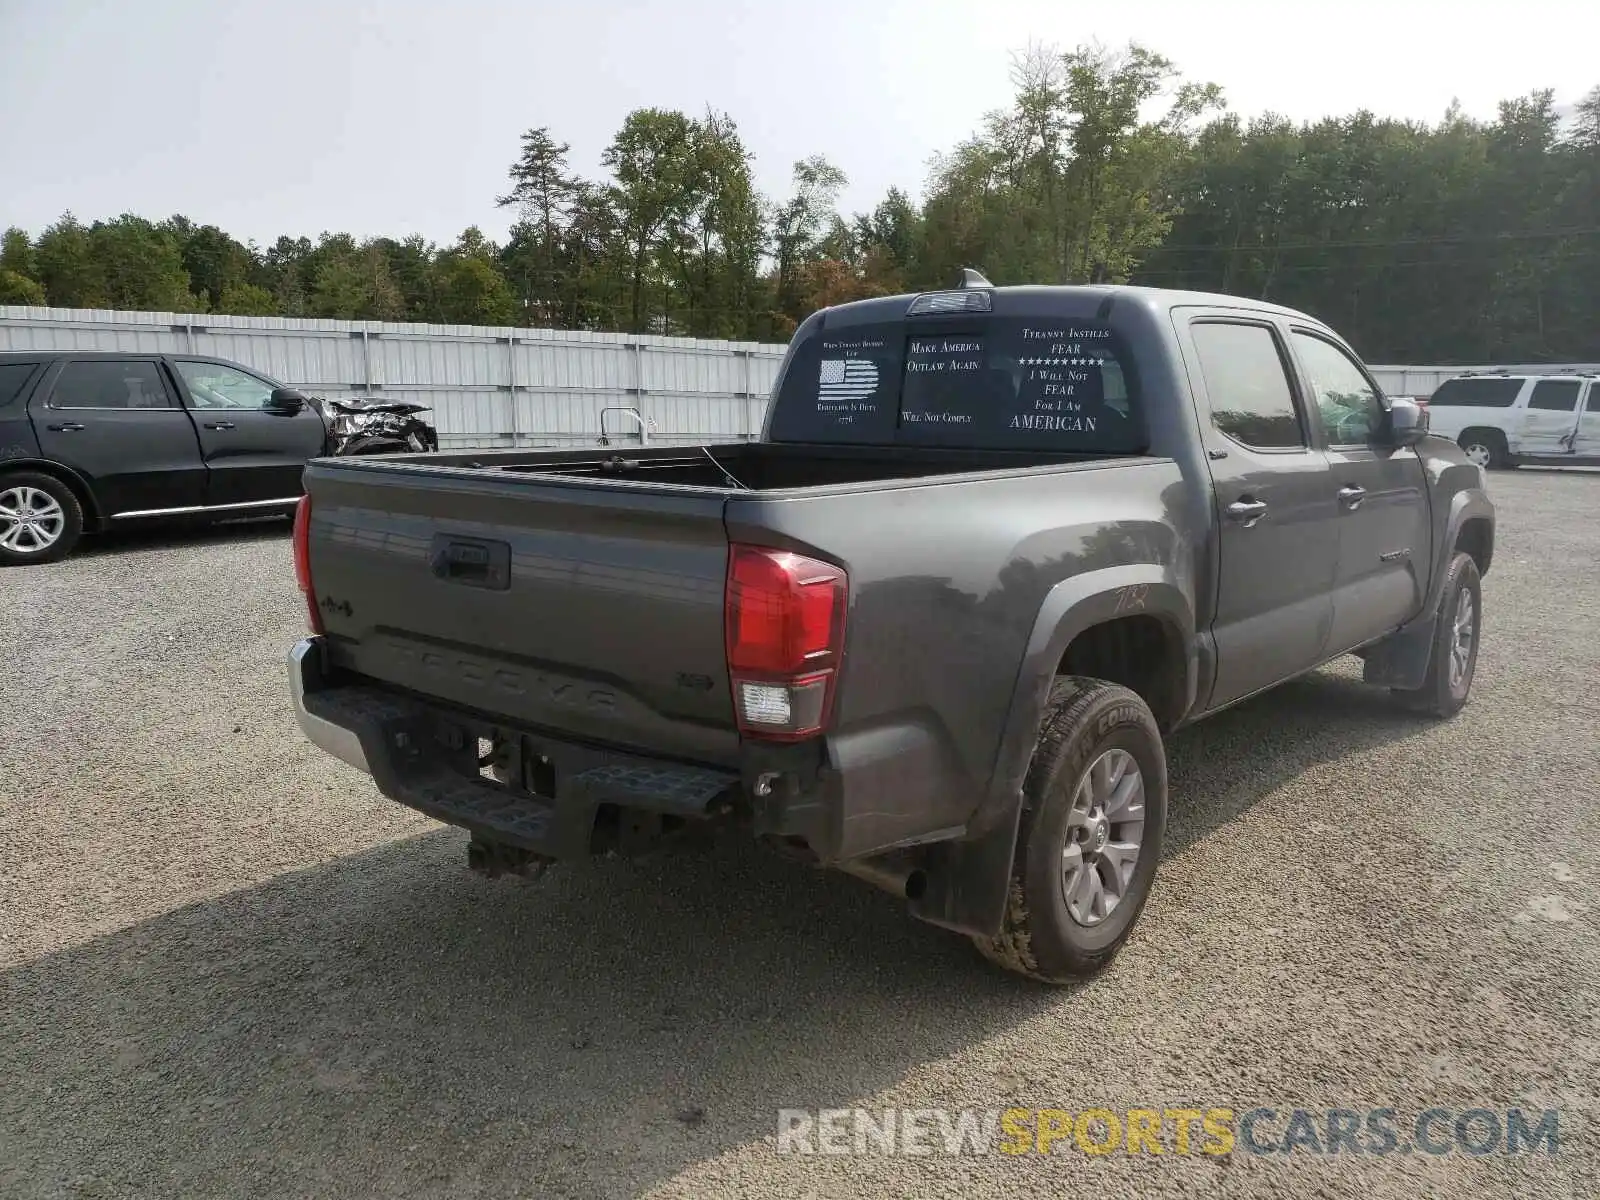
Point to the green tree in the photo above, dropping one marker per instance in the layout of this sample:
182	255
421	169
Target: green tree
352	282
798	227
733	230
470	288
890	240
544	192
1070	184
711	245
18	270
16	253
213	261
1458	241
656	171
246	300
601	266
16	288
287	269
141	266
411	266
67	266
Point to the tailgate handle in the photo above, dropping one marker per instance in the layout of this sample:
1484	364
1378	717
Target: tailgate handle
472	561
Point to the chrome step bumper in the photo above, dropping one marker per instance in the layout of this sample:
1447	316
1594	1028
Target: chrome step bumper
306	675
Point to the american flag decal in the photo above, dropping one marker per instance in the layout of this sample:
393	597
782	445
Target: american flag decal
847	379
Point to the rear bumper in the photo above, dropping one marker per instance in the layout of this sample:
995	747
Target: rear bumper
306	675
845	797
426	756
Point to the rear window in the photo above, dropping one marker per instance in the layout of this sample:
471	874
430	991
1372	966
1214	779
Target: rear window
1000	384
1476	393
13	378
110	383
1557	395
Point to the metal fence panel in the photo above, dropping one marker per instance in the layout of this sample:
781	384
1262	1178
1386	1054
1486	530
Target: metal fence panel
486	386
317	361
578	366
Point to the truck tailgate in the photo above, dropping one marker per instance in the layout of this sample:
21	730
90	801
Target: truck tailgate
585	608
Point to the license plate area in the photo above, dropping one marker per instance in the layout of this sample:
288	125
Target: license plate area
553	773
493	754
511	760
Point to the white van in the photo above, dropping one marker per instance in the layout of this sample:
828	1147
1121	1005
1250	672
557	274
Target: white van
1501	420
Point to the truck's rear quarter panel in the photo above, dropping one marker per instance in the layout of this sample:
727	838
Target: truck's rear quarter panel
947	581
610	625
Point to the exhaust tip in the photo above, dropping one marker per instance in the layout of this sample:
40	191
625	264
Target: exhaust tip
892	876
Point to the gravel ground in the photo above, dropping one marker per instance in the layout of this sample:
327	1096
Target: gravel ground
228	968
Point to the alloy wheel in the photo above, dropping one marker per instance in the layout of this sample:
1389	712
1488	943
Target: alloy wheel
1464	634
31	520
1105	830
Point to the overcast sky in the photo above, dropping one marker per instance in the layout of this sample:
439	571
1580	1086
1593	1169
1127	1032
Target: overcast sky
272	116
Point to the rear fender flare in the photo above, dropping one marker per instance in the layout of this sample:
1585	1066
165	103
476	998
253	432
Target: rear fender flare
1072	606
967	879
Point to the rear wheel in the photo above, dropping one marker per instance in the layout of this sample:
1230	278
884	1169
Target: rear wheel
1094	811
1487	448
40	519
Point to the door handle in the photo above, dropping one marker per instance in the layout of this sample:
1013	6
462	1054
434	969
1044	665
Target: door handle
1247	512
220	425
472	561
1352	496
65	427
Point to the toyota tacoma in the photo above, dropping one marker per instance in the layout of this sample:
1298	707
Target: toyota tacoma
992	547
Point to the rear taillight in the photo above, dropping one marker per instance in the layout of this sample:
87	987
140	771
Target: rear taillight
784	623
302	562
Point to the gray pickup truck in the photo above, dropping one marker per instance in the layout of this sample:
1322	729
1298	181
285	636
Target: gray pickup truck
931	629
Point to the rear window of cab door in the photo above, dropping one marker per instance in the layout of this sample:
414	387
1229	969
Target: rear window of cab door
1248	384
90	384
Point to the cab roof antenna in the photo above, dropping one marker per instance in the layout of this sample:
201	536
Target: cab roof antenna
972	279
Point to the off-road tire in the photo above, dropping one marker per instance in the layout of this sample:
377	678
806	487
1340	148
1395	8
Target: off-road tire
1039	938
1439	696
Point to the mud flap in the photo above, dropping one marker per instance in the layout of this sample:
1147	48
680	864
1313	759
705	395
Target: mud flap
968	880
1401	659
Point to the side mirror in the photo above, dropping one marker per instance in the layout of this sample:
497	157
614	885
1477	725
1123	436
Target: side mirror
285	400
1408	422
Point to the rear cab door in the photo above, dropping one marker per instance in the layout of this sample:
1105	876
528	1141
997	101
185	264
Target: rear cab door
116	421
254	456
1385	525
1276	513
